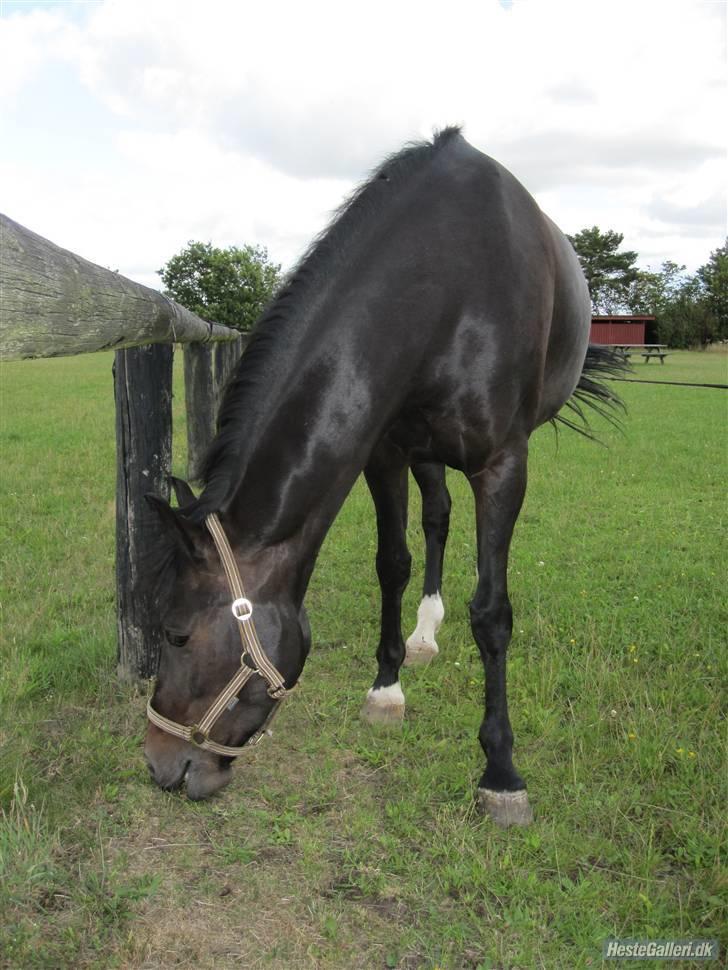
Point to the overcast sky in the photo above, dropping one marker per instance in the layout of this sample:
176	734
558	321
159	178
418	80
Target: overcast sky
132	126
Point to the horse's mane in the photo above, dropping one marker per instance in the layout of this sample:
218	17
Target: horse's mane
224	463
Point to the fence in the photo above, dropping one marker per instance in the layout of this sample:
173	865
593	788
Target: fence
54	303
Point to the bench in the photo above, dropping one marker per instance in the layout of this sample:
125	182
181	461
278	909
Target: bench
654	353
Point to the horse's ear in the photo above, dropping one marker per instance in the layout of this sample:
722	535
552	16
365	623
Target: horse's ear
187	535
183	492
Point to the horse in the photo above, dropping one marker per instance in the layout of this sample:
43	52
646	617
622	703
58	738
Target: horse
438	321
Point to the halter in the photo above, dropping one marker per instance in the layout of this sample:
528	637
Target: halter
253	660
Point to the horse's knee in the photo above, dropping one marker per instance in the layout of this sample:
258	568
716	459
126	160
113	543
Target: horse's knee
492	625
394	570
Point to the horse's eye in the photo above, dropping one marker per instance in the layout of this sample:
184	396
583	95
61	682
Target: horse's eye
176	639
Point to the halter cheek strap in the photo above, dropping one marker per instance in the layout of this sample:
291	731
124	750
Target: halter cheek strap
253	660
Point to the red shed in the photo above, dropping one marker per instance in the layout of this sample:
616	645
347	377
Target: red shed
630	328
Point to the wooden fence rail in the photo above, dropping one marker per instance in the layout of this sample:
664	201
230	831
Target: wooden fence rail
53	302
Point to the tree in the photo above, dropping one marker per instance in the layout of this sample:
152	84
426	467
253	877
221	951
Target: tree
609	273
651	292
714	279
686	317
229	286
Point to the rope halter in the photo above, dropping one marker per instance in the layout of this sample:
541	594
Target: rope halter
253	660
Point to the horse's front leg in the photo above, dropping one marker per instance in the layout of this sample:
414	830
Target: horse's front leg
430	477
499	492
386	475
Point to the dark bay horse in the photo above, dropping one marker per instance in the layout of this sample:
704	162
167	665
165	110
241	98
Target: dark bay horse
439	320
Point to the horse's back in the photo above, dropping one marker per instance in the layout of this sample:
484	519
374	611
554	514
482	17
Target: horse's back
506	321
529	285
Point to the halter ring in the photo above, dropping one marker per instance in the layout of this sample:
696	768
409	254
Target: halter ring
242	609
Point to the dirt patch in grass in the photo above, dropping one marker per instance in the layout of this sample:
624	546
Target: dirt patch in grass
265	912
228	894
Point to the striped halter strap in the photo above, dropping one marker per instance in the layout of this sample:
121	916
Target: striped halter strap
253	660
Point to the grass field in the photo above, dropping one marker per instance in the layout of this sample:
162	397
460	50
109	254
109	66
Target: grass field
337	846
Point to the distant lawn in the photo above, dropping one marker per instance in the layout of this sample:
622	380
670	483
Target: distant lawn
337	846
705	367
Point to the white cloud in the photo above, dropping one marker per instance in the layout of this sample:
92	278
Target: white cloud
249	123
30	41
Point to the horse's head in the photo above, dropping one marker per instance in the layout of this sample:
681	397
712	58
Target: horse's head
202	651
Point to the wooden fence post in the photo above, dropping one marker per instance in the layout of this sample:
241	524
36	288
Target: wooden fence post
221	370
143	394
199	404
227	355
207	370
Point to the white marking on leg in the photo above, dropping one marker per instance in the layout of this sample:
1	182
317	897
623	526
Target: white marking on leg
422	646
384	705
430	615
391	696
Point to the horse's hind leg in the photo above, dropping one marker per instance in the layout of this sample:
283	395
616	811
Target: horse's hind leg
498	492
386	475
430	476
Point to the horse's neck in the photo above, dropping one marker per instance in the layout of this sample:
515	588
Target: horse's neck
303	458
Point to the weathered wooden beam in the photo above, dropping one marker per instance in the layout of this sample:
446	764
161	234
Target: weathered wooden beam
54	303
143	393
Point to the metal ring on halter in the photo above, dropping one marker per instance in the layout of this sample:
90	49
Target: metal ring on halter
243	604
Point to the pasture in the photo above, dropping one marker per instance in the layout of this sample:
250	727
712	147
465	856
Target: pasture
339	845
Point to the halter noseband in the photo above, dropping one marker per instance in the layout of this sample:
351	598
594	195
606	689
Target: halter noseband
253	660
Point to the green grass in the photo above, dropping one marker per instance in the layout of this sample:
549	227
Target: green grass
337	846
703	367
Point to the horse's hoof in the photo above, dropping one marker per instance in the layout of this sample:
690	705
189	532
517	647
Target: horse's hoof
505	807
385	706
419	652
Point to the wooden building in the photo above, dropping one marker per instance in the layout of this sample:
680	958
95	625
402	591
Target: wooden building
629	328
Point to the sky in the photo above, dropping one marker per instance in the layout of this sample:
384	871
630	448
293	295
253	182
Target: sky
130	127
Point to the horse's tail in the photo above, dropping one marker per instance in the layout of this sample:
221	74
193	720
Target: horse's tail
592	391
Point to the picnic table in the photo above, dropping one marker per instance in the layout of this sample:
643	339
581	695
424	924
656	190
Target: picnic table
648	351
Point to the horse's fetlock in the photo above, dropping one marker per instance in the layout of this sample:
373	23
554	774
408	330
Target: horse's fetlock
496	737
